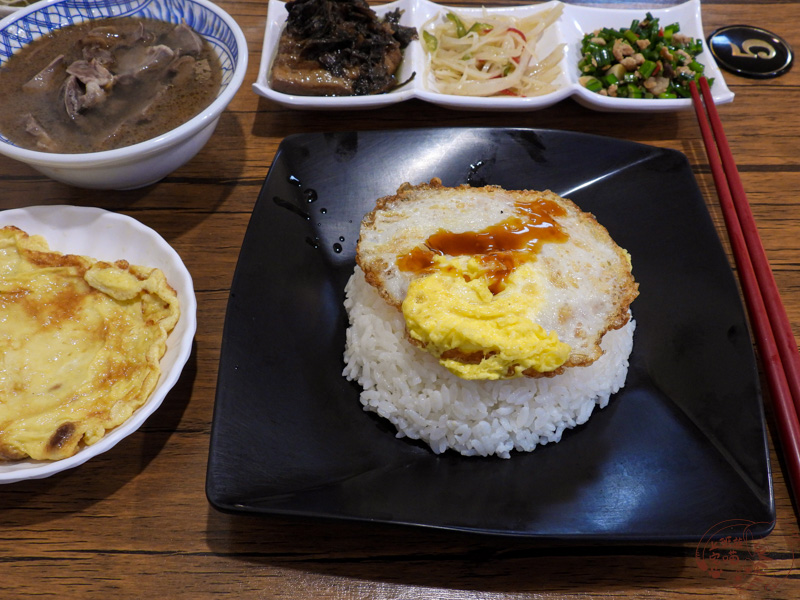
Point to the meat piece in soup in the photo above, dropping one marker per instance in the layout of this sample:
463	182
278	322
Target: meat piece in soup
106	84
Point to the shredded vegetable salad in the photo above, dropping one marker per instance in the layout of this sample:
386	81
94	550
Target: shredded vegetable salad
490	56
644	60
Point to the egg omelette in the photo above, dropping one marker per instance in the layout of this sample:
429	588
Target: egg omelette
497	284
81	343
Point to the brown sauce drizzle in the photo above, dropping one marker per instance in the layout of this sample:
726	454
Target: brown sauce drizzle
500	248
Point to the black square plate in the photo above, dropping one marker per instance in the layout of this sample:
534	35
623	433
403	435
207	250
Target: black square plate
678	452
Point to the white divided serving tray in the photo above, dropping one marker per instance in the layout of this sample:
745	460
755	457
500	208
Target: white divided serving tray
569	30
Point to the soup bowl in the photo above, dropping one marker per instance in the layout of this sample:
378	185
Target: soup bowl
146	162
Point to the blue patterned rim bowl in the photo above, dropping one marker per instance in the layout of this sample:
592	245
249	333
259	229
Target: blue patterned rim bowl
149	161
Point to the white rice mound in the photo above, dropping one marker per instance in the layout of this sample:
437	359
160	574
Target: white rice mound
424	401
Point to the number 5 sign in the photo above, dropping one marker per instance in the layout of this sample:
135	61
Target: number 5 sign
750	51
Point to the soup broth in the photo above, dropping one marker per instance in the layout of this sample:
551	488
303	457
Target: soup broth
106	84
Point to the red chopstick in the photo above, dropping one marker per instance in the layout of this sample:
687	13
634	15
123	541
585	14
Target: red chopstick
768	318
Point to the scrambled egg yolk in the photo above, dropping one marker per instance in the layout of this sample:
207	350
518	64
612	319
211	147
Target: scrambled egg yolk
448	312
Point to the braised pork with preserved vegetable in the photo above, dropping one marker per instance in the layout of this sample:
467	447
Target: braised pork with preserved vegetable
338	48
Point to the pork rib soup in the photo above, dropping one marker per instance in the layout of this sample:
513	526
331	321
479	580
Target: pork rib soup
106	84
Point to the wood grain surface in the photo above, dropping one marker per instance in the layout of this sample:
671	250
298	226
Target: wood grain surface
135	523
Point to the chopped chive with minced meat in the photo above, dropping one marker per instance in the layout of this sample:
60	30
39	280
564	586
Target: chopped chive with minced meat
644	60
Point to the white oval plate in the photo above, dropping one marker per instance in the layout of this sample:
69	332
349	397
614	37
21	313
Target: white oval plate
109	236
569	29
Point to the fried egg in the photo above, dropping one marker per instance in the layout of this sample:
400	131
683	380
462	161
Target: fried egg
81	342
497	284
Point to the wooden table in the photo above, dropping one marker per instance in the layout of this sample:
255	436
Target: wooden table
135	522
